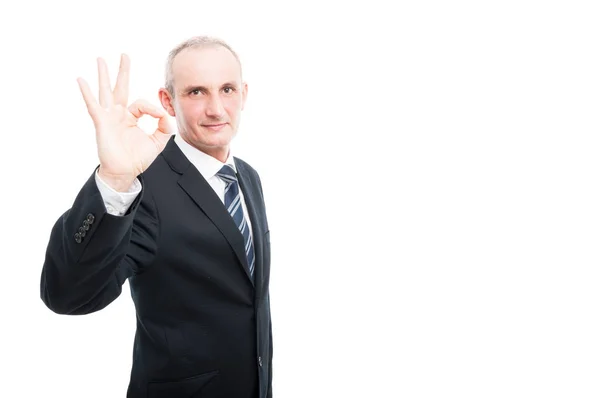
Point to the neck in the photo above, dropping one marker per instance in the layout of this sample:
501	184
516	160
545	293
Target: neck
221	153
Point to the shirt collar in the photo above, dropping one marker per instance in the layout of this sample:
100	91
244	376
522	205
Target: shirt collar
207	165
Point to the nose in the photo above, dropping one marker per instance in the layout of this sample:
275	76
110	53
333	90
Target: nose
214	108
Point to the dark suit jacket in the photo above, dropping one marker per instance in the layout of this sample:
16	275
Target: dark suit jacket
203	326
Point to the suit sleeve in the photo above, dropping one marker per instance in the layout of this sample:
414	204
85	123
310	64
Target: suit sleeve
91	253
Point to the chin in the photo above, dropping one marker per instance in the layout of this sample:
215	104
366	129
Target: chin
215	142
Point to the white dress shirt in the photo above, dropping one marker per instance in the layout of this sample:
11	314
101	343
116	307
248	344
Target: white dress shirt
117	203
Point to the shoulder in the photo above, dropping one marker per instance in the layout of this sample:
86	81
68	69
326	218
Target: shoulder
244	167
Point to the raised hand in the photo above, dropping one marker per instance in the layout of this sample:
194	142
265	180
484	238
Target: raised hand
124	149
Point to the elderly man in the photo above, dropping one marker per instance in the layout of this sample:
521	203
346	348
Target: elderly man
184	221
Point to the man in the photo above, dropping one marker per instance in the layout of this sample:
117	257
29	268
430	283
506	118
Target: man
181	219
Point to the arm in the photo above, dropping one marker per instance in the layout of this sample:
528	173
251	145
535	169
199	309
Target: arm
84	270
91	251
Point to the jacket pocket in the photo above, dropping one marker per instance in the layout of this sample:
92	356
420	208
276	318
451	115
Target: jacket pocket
189	387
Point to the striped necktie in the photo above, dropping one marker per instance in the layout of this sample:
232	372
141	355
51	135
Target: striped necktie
233	204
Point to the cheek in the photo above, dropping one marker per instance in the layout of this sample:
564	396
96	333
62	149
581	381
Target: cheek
233	107
191	111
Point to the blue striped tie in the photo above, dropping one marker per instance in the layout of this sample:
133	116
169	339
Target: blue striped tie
233	204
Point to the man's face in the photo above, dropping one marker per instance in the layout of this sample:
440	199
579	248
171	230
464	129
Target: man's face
209	96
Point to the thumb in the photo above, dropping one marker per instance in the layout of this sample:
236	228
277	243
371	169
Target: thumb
163	131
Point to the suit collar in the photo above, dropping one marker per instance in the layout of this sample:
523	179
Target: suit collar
174	157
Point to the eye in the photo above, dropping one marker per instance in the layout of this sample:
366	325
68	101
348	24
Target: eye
195	92
229	90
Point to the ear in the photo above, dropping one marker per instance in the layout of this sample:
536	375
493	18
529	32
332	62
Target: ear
166	101
244	93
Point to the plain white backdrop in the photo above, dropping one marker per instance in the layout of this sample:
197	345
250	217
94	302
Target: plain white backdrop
431	175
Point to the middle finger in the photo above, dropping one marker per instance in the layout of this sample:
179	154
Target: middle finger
105	96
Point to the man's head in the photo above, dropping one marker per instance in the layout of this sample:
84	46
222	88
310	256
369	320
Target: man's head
205	93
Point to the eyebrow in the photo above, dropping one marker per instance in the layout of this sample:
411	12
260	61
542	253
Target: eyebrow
187	89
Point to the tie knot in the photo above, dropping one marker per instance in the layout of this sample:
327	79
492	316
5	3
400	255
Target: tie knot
227	173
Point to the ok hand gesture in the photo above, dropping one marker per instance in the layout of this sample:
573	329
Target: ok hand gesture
124	149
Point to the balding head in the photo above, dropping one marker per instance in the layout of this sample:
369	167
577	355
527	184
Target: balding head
193	42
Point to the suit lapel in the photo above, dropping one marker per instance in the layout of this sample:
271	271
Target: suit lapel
251	197
198	189
194	184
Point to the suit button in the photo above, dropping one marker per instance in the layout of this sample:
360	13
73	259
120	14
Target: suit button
77	237
260	361
90	218
86	225
82	231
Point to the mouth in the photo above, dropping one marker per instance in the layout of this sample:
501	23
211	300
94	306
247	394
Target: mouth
214	126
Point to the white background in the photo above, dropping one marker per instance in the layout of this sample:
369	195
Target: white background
431	176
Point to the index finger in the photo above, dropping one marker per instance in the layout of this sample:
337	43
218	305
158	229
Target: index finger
121	91
142	107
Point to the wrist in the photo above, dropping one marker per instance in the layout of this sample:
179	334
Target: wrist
120	183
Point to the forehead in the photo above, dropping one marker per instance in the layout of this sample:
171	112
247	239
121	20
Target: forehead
207	66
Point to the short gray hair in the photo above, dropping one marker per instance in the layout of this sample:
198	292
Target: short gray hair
193	42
